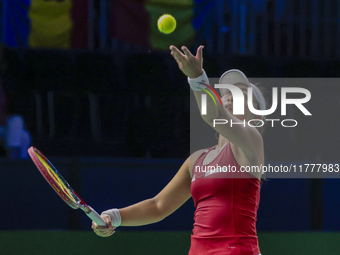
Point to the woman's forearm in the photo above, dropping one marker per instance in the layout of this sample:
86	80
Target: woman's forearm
142	213
213	108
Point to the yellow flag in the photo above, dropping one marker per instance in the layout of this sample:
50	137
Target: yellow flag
51	24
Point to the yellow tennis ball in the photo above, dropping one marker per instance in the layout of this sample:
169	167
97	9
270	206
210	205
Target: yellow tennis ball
166	24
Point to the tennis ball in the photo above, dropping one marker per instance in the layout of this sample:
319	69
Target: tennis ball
166	24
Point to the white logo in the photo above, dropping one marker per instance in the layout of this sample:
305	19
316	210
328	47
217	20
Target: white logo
238	105
210	172
238	100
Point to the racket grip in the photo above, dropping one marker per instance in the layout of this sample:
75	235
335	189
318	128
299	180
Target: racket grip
93	215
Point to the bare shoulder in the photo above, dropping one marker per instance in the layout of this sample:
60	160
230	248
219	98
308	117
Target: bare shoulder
193	158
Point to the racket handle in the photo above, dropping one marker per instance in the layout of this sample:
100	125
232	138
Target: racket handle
93	215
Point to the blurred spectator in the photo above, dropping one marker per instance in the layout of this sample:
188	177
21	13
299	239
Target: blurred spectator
13	135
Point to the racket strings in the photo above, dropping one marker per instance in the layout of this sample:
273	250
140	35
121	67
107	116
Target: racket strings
59	182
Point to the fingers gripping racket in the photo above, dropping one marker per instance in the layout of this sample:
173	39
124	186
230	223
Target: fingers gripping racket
60	185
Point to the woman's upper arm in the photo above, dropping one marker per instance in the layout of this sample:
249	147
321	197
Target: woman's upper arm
241	134
247	138
177	191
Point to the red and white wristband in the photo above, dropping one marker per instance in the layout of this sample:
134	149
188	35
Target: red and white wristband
197	84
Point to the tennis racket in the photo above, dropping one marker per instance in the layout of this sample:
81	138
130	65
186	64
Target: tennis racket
60	185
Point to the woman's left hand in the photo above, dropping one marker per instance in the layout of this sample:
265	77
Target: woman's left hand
190	65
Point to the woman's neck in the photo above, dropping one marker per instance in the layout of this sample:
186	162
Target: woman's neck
221	142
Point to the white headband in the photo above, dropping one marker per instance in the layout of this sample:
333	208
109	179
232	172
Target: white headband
235	76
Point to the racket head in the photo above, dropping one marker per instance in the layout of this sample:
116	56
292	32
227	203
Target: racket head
55	179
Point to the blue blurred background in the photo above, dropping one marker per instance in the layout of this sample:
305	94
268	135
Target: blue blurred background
102	97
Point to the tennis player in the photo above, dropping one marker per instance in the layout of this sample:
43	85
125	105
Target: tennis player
226	203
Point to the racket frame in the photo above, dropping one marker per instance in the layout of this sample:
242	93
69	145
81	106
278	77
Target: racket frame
78	203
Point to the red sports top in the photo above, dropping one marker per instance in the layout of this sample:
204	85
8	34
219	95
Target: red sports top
226	208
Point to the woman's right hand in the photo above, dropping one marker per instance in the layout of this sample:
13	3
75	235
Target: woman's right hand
104	231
